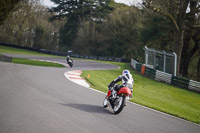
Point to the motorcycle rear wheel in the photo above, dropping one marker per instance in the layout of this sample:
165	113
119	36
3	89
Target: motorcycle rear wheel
119	105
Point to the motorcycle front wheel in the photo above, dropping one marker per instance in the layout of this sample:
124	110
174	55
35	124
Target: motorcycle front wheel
105	102
119	104
70	64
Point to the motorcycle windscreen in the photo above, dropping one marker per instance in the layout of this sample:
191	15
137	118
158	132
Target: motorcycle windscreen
124	90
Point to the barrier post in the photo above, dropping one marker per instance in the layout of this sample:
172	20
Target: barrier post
143	69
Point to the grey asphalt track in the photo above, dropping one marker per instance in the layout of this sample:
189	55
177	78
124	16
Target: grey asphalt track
41	100
78	64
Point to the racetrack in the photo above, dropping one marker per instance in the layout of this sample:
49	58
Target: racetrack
41	100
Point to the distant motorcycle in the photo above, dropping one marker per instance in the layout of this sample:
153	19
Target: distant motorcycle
117	100
70	62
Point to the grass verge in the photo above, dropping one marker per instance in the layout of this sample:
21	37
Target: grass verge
159	96
6	49
35	62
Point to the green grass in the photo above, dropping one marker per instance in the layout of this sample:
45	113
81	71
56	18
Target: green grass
11	50
5	49
35	62
163	97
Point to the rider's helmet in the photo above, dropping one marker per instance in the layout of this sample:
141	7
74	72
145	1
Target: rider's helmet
68	56
124	72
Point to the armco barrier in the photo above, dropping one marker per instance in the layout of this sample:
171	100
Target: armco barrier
133	63
5	58
143	69
138	67
194	85
149	72
164	77
180	82
167	78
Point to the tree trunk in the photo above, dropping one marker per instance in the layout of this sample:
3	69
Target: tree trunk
198	66
185	60
187	54
178	48
198	70
180	33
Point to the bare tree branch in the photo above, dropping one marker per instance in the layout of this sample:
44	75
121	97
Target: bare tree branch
160	11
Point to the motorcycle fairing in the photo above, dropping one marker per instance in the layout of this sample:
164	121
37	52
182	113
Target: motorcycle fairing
109	93
124	90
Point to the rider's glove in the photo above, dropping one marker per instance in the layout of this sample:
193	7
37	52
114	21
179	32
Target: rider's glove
109	86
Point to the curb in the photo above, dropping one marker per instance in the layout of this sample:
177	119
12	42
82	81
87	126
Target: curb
74	76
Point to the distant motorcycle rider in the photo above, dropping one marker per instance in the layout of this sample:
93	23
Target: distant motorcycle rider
127	81
68	58
69	61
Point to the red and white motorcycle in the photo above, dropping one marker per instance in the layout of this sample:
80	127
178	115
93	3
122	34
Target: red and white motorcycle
118	99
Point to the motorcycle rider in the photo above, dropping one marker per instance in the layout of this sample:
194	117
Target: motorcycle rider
127	81
68	58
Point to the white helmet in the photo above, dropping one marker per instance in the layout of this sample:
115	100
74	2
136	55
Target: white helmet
128	79
124	72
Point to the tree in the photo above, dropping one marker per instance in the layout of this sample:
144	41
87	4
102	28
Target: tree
76	11
68	33
191	39
29	26
6	7
15	27
177	12
117	36
39	33
156	31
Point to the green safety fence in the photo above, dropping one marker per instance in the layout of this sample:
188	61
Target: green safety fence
138	67
177	81
184	83
149	72
5	58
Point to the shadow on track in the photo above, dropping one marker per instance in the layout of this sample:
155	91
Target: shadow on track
89	108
